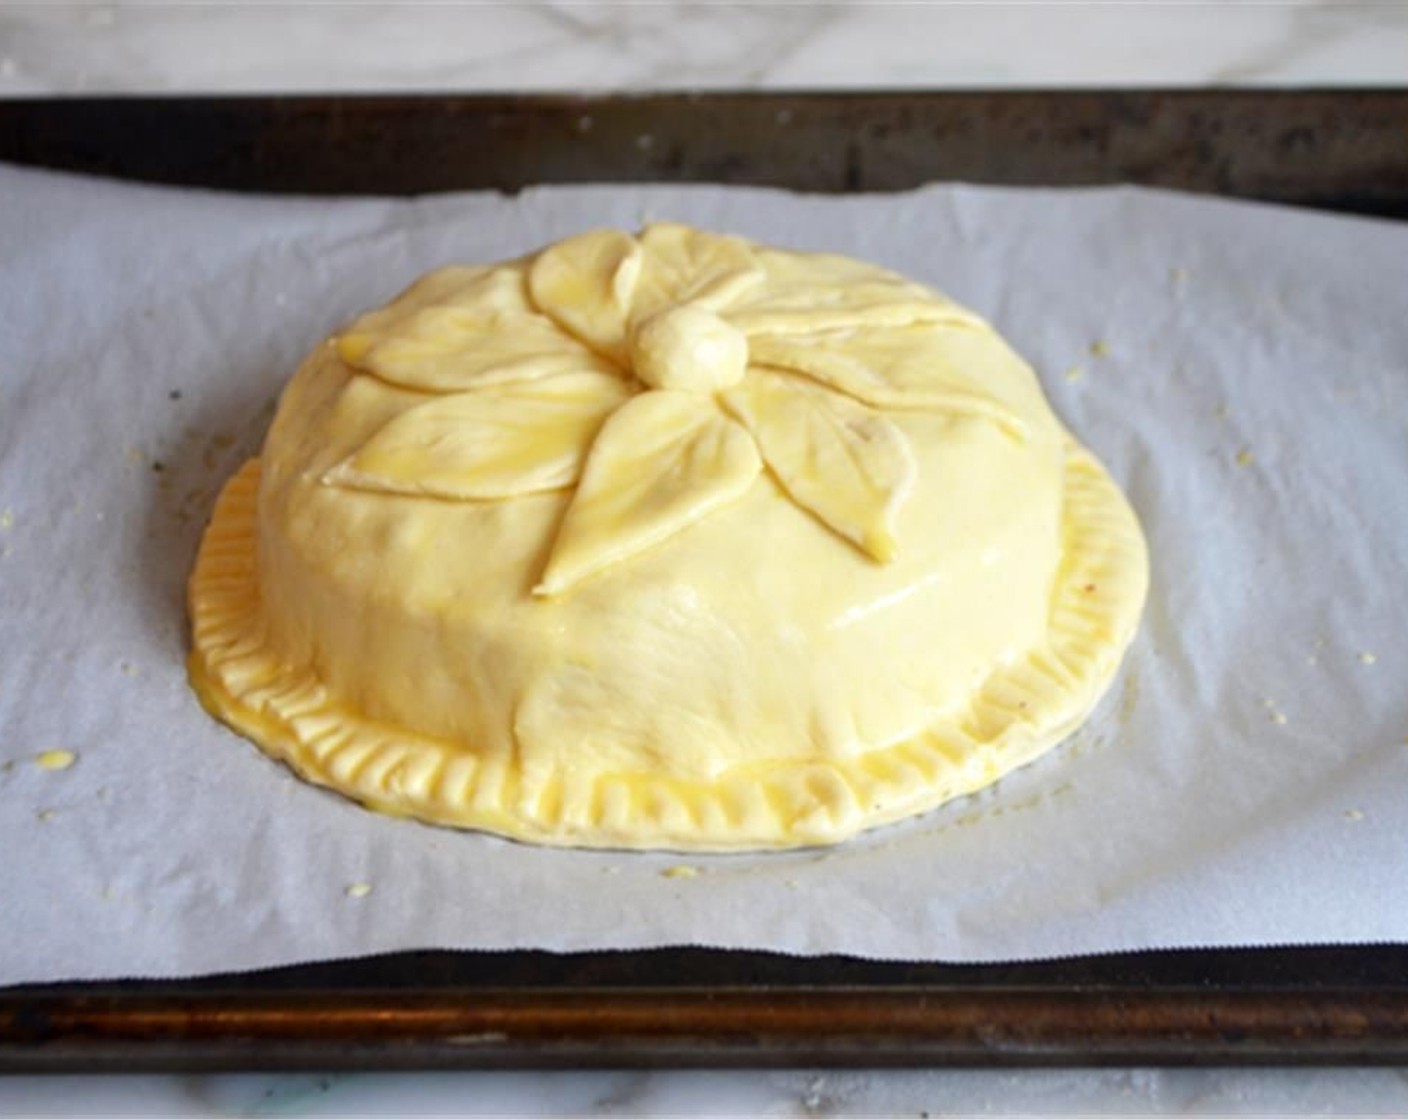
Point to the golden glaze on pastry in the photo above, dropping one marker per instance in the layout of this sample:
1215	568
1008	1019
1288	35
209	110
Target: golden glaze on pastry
666	540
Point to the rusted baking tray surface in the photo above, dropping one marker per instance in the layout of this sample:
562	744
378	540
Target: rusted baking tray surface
1343	150
681	1007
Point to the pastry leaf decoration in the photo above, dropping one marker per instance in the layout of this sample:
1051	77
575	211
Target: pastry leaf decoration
517	438
845	463
661	462
659	375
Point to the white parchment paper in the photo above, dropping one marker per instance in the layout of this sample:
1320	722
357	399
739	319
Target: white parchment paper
1241	369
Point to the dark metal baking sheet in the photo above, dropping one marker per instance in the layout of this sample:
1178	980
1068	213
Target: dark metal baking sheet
1342	149
1333	149
694	1007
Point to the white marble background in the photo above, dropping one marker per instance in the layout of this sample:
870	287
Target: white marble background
223	47
186	47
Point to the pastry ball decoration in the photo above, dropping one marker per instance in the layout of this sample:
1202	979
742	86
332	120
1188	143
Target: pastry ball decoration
664	541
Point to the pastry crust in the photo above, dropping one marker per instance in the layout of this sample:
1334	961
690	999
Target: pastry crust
758	608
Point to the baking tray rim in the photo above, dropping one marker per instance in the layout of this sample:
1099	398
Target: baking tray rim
1327	1004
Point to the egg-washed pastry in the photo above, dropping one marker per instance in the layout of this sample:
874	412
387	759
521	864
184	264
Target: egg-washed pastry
669	540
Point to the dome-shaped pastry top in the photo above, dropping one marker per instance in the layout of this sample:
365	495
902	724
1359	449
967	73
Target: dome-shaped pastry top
665	540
